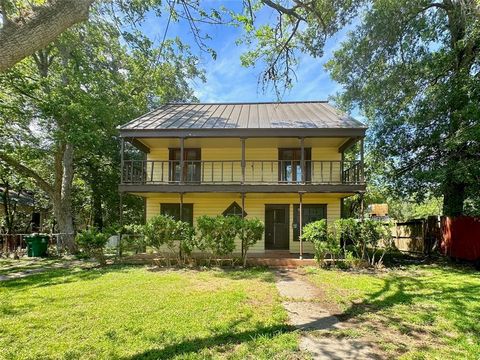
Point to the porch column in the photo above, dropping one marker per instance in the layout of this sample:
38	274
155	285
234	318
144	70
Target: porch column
119	243
122	150
181	206
362	207
182	150
300	221
361	161
302	159
342	168
181	219
243	216
243	163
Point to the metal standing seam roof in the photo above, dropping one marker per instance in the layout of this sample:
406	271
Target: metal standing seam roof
271	115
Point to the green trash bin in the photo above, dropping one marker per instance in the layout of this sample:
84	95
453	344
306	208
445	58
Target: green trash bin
37	245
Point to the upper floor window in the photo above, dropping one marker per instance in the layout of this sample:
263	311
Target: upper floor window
191	165
290	167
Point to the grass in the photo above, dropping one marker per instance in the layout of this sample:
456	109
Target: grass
413	312
9	266
138	313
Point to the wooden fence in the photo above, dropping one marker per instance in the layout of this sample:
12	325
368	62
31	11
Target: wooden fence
419	236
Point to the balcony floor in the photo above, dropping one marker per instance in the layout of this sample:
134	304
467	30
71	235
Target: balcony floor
245	188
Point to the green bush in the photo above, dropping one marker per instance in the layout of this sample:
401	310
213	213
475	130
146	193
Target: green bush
217	234
348	231
367	240
325	240
251	231
92	243
376	240
133	239
164	231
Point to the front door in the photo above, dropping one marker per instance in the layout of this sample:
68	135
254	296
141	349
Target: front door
276	227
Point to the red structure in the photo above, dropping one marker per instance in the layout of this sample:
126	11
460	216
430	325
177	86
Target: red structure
461	237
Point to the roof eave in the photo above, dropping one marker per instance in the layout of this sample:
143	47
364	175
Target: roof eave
250	133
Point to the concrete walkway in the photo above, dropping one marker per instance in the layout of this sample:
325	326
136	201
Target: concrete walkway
299	299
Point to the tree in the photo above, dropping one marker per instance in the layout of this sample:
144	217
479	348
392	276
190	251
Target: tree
30	30
251	232
64	103
412	68
26	28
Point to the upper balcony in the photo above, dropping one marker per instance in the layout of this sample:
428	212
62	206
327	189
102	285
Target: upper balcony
233	172
270	147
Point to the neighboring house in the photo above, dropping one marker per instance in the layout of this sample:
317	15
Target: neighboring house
378	211
32	217
263	160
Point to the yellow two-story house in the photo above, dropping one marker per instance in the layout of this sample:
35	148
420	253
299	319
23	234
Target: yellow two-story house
283	163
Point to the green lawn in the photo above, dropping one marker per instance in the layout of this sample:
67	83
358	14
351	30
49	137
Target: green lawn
137	313
416	312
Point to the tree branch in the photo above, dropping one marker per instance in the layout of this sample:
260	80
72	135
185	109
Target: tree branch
20	39
281	9
27	172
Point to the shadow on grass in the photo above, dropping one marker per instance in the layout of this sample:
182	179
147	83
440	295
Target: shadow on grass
51	277
450	292
195	345
253	273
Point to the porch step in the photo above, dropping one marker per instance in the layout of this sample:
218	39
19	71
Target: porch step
281	263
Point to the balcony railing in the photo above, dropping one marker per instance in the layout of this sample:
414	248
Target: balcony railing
232	172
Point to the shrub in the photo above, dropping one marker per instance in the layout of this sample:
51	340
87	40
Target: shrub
92	243
217	234
364	240
251	231
325	240
348	232
164	230
187	243
133	239
376	237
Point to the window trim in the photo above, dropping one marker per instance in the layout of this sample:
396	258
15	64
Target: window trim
307	157
184	204
233	205
172	162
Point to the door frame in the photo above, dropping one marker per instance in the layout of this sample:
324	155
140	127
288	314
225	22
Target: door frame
307	157
287	213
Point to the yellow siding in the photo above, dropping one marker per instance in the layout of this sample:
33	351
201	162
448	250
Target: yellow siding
215	203
261	165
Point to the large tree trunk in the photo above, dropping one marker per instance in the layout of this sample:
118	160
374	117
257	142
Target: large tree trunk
62	197
453	198
19	39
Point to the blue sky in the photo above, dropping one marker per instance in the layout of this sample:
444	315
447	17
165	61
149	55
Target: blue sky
228	81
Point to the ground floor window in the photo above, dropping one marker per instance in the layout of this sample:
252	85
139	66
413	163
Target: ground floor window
173	210
310	213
